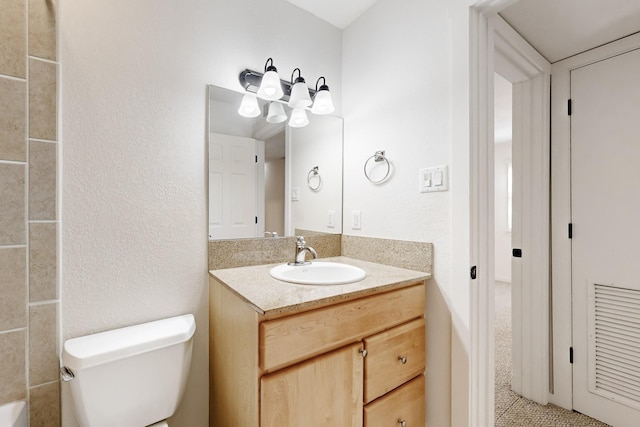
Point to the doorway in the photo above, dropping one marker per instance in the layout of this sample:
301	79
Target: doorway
558	372
499	48
510	408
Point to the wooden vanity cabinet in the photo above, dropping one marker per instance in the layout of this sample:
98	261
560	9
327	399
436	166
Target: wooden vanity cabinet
344	364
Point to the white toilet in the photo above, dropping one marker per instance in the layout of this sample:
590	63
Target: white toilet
129	377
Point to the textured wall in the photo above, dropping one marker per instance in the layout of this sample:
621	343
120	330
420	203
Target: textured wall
134	243
406	91
29	220
134	105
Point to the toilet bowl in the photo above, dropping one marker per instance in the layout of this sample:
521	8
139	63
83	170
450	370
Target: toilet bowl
129	377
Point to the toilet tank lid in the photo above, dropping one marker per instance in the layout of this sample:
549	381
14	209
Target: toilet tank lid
96	349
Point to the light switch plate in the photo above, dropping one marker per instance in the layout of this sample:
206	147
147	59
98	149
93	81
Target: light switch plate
433	179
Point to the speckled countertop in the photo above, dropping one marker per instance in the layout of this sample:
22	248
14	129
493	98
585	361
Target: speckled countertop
270	296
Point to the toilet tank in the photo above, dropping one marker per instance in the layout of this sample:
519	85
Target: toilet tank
130	377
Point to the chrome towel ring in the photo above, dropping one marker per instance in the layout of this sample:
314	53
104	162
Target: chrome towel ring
313	173
377	157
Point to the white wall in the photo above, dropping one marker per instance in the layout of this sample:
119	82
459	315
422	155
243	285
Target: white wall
502	156
133	90
406	91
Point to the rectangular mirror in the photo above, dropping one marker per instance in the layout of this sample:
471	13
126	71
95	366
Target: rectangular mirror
269	178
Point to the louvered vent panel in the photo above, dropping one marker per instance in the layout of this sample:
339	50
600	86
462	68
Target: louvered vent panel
615	344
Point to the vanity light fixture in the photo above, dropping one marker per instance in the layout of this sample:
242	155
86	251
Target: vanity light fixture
298	118
276	113
299	92
249	106
322	103
270	87
294	93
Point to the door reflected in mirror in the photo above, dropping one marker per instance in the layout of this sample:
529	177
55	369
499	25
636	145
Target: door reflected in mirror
269	179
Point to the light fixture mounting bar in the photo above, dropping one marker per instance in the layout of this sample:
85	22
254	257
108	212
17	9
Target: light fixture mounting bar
250	81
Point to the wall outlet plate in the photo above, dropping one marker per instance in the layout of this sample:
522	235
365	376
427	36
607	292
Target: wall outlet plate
356	220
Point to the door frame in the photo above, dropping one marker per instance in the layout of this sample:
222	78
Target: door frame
529	73
488	35
561	206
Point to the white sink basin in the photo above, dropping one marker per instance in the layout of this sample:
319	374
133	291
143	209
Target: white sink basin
318	273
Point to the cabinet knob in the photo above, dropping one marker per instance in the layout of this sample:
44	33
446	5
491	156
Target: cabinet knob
404	362
363	352
402	423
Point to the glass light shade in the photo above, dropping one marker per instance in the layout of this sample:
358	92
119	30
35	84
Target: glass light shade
322	103
249	106
298	118
299	96
276	113
270	86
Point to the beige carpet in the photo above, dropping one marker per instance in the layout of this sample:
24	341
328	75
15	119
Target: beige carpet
512	410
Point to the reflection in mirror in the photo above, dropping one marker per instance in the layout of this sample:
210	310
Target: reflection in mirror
267	178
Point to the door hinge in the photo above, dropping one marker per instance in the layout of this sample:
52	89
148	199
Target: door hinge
474	272
570	230
517	253
570	354
569	109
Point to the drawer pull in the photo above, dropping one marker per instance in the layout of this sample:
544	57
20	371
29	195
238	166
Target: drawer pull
404	362
363	352
402	423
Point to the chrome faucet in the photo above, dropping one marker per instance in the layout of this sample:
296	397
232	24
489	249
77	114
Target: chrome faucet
301	252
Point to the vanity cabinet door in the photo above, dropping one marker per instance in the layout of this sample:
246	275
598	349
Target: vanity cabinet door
403	407
393	357
323	391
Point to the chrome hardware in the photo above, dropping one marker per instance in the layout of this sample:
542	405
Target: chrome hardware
402	359
301	252
402	423
377	157
363	352
66	374
271	234
314	173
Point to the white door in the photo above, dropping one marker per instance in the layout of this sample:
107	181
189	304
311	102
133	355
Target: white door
605	180
232	187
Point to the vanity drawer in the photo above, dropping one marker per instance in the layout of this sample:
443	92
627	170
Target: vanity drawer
293	338
393	357
405	404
